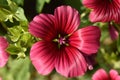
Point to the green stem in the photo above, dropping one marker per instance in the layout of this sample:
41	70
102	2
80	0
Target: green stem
117	26
4	26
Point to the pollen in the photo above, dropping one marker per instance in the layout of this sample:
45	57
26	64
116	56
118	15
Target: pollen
61	40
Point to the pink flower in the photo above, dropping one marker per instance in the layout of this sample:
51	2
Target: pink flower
102	75
104	11
3	54
62	45
0	78
113	32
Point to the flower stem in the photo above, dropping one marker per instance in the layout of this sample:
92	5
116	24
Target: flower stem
4	26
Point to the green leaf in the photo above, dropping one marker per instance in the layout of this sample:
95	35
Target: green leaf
3	3
15	33
19	69
25	39
13	11
17	11
5	15
24	72
13	49
22	54
40	4
24	25
75	4
12	5
19	2
19	15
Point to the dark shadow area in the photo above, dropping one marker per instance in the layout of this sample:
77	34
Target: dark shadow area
30	8
49	8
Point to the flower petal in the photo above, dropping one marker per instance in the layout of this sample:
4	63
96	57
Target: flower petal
116	10
103	11
113	74
117	78
70	62
101	15
100	75
3	54
43	26
86	39
67	19
91	3
42	55
0	78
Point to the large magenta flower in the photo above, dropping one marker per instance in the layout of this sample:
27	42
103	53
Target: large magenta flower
104	11
102	75
3	54
62	45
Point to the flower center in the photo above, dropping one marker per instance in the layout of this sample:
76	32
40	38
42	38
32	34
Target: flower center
61	41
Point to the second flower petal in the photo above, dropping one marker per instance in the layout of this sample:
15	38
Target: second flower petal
42	55
43	26
3	54
86	39
100	75
70	62
67	19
